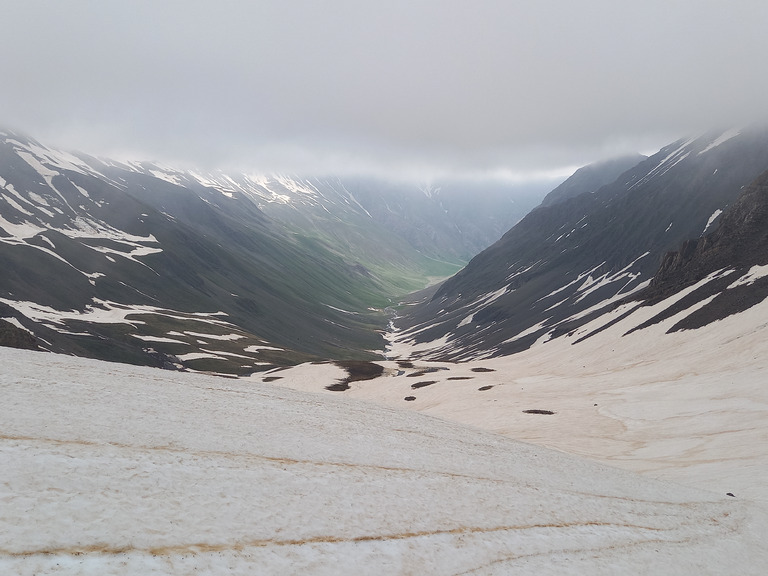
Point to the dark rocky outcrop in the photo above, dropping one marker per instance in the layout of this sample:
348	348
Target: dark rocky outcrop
739	242
14	337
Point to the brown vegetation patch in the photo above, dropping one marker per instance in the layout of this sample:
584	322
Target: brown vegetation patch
424	371
339	386
357	370
422	384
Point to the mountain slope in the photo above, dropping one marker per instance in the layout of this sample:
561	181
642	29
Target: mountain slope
734	256
591	178
92	267
132	261
565	263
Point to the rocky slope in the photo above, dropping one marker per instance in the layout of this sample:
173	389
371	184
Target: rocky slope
570	261
735	255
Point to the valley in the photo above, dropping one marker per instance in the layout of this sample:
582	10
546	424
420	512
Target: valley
651	401
117	260
360	374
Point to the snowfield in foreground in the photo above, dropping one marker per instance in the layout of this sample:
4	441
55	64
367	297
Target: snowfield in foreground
115	469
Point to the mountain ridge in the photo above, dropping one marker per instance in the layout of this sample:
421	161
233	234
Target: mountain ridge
129	260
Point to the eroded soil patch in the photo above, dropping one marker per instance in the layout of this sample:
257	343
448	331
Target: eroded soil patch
424	371
422	384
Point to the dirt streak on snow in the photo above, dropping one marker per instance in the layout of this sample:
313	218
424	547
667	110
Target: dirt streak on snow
115	469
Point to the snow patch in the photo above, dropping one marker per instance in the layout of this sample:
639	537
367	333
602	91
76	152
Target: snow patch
160	339
465	321
129	482
712	218
228	337
257	347
755	273
724	137
198	356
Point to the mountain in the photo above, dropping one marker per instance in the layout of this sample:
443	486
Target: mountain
592	177
569	261
730	264
144	263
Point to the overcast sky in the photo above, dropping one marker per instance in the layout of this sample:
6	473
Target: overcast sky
411	88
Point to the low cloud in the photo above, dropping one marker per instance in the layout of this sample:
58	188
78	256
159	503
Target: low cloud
424	88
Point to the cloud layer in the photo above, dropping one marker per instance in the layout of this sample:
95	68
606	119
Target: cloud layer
419	88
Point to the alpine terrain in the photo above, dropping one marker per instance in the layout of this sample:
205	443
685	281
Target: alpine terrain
586	396
231	273
585	250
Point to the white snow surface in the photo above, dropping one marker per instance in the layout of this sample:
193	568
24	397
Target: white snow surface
159	339
115	469
712	218
256	348
106	312
755	273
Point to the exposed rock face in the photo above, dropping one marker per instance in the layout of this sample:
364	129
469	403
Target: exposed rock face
740	241
738	244
14	337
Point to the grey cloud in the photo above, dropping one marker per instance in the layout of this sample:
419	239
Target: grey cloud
430	86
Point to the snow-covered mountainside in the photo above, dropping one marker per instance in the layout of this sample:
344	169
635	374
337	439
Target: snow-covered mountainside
112	469
572	260
142	263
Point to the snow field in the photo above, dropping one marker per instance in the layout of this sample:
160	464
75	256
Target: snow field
108	468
